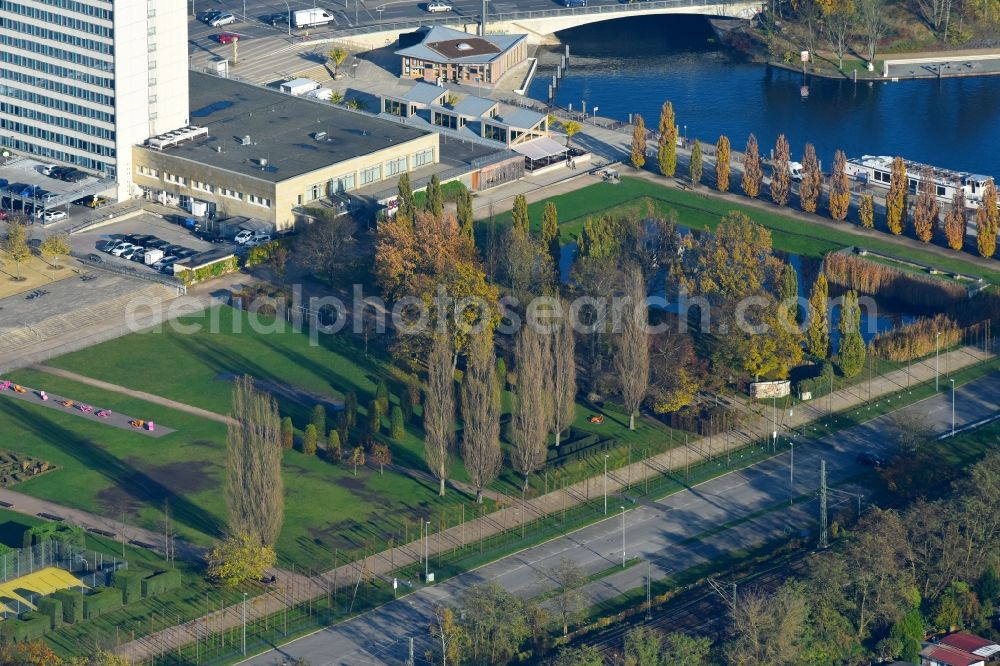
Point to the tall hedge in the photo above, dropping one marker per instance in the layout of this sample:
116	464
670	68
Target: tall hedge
29	627
99	603
53	608
160	583
72	604
129	581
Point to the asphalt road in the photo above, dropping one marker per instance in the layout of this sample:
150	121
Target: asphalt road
675	533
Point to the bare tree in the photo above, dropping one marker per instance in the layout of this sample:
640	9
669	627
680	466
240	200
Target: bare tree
439	410
839	25
532	415
570	603
632	357
937	13
481	414
563	375
871	17
327	247
254	489
767	629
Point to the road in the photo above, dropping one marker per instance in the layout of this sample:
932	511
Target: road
737	510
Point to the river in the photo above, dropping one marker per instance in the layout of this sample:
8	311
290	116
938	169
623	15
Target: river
633	65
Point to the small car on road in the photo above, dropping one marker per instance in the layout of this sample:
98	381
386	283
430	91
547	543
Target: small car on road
54	215
575	3
224	18
436	6
227	37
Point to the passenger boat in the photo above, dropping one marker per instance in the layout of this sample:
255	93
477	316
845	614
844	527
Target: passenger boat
877	169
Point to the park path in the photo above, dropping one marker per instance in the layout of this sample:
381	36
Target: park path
384	563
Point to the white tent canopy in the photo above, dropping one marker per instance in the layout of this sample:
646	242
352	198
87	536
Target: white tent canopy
540	148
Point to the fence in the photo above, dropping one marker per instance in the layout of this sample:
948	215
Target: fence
128	271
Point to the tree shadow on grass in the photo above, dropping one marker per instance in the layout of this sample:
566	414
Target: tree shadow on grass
136	483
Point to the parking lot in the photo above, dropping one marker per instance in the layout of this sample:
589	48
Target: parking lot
26	190
146	231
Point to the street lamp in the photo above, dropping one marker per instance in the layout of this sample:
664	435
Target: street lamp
623	537
791	471
937	347
952	407
244	623
289	9
583	104
427	566
605	484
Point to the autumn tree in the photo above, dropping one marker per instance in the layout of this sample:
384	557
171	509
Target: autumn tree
767	629
532	412
781	177
550	234
358	458
753	175
811	185
16	244
638	142
666	146
254	490
334	449
852	345
309	439
866	211
407	207
563	382
521	223
695	166
240	559
676	374
722	157
328	248
895	200
632	350
434	201
986	221
287	433
481	414
925	209
954	221
381	456
818	333
679	648
570	602
643	647
464	212
55	246
318	418
840	189
448	635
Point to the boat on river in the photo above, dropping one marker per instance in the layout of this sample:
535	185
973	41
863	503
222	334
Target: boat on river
877	170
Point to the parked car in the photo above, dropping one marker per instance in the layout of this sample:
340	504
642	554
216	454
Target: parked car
132	252
163	261
122	248
281	18
438	6
870	459
227	37
59	171
54	215
74	176
224	18
575	3
27	191
210	15
243	236
112	244
259	238
92	202
46	196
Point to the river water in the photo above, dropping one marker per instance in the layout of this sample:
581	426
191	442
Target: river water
633	65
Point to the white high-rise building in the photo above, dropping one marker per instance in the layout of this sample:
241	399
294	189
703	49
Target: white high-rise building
82	81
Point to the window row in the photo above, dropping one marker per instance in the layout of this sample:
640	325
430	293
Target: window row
205	187
55	154
57	18
57	36
73	6
65	122
373	174
56	70
57	53
57	137
57	87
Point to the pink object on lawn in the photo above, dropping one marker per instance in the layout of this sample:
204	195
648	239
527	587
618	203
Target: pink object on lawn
150	426
4	385
43	395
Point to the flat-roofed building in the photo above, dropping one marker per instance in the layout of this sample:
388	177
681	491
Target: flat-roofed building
263	153
445	55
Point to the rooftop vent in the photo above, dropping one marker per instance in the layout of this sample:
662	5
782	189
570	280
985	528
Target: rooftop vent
319	136
464	47
245	141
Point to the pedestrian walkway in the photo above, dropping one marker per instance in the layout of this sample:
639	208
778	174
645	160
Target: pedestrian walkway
385	563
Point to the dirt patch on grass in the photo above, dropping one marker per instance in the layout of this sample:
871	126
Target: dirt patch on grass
115	501
182	478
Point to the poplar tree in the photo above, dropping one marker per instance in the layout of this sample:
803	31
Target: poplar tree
986	221
852	345
519	216
407	207
812	180
789	293
434	204
481	408
866	211
439	410
639	142
895	200
695	166
550	234
464	212
753	175
781	178
925	210
818	334
954	222
722	157
840	189
666	148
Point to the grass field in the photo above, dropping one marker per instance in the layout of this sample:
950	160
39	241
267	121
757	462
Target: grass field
701	211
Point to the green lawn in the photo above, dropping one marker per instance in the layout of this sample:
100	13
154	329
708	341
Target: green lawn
699	211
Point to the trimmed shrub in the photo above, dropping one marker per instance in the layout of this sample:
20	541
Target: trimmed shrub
99	603
29	627
319	418
72	605
397	427
160	583
351	408
53	609
309	440
333	447
374	417
819	384
382	396
130	583
287	433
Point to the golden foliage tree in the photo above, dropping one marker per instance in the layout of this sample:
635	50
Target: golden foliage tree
812	180
240	559
638	142
54	247
818	333
986	221
666	147
753	174
840	190
722	157
550	233
781	178
16	244
696	166
925	209
866	211
895	200
954	222
519	216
